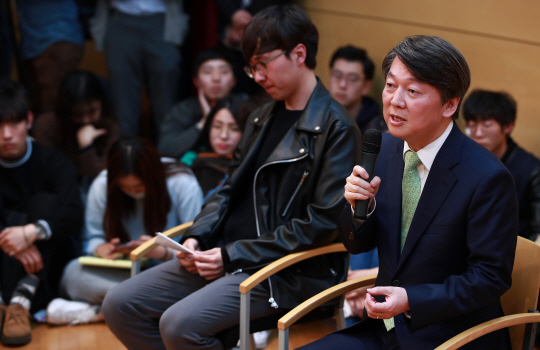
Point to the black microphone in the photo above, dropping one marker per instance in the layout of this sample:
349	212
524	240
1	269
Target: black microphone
371	146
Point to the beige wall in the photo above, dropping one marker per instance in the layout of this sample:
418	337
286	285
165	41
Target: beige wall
499	39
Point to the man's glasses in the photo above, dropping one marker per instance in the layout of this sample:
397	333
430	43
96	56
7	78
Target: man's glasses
349	78
260	66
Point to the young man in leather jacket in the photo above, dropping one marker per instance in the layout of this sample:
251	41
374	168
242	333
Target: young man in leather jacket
284	195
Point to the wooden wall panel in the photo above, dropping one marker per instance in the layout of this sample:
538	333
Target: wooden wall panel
500	42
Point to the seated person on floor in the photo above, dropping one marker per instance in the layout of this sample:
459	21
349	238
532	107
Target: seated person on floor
214	79
351	75
40	210
81	127
491	117
138	195
284	195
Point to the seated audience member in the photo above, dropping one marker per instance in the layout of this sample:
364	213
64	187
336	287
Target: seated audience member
491	117
40	209
218	141
351	75
445	219
81	127
135	197
360	265
213	77
284	195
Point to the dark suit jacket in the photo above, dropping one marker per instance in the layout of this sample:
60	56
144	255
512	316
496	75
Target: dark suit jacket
459	253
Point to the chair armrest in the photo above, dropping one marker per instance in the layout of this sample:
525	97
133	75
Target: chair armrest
298	312
285	262
147	246
488	327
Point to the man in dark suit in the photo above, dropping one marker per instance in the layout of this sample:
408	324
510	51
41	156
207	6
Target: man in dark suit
445	217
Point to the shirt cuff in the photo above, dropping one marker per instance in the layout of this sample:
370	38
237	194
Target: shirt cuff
47	228
358	222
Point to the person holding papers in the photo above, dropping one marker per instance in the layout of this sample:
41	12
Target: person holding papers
138	195
284	195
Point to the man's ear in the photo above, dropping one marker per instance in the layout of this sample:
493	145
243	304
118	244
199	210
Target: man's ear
196	82
29	120
300	53
507	129
449	108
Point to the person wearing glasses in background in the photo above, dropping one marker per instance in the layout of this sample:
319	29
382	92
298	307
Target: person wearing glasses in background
351	75
284	195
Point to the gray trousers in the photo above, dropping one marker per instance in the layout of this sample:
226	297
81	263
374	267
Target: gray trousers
167	307
136	56
89	283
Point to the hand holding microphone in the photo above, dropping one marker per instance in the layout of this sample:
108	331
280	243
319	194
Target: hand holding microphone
361	186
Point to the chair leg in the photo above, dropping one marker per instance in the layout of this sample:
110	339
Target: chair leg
135	267
283	343
530	334
244	321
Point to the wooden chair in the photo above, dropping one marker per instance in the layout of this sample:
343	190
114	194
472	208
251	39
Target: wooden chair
516	303
276	266
230	337
143	249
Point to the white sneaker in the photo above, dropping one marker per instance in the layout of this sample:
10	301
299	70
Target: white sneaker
261	339
61	312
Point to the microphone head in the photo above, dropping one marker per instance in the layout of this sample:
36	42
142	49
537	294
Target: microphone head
372	141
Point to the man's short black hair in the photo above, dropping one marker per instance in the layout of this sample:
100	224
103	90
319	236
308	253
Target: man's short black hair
14	105
207	55
485	105
281	27
355	54
435	61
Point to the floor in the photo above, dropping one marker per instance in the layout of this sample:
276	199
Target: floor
98	336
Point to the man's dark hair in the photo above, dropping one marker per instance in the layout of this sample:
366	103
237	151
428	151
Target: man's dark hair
14	105
485	104
281	27
207	55
355	54
435	61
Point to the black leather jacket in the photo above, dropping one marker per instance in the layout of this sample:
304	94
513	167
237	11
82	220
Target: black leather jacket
298	198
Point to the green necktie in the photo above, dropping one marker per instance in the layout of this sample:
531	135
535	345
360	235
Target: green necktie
410	191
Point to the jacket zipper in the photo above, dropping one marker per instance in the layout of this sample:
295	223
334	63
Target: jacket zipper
271	300
306	173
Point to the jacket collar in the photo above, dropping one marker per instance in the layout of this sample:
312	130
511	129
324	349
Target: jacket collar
313	117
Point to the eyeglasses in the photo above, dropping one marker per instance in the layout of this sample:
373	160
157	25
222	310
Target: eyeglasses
260	66
349	78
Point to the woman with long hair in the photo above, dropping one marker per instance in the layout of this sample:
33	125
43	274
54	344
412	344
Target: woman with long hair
81	127
138	195
218	141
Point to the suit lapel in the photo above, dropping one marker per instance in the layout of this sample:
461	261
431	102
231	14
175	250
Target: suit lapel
439	183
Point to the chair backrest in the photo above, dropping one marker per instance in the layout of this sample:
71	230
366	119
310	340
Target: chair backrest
523	295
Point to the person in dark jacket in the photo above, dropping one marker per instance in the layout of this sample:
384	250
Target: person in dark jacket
491	117
351	76
444	218
40	211
284	195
